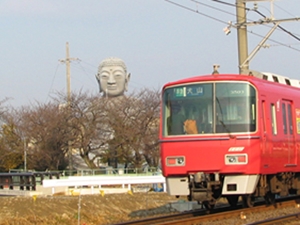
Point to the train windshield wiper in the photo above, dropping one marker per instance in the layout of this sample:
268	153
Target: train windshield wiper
221	120
226	128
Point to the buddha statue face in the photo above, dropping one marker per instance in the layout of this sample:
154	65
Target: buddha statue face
112	77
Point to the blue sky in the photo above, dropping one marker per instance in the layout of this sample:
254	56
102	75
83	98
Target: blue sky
159	42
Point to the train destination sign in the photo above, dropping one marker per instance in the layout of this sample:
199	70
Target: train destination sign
188	91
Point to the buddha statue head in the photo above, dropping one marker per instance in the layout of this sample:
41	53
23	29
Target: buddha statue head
112	77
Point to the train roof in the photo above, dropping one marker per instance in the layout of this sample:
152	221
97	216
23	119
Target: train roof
275	78
250	73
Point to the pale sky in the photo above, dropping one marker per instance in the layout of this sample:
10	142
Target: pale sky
159	42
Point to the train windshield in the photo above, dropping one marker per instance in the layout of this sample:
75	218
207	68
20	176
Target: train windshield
209	108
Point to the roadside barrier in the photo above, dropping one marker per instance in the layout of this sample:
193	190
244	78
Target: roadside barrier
99	181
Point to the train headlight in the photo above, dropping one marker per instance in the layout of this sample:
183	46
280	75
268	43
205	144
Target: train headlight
236	159
231	159
180	160
175	161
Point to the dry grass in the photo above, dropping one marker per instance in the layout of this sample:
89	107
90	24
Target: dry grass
85	209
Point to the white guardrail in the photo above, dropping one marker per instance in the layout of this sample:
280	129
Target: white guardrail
98	181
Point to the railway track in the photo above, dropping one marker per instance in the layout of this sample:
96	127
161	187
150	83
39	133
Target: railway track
291	219
282	212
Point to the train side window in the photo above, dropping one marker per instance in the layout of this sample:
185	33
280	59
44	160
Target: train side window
275	79
284	118
290	118
273	116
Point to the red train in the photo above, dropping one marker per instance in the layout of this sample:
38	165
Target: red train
231	135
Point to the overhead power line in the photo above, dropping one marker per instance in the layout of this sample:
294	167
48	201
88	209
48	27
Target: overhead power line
283	29
223	22
261	14
277	42
283	9
195	11
231	4
212	7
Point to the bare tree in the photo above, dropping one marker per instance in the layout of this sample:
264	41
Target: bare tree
12	141
87	127
11	147
149	103
45	130
116	130
134	121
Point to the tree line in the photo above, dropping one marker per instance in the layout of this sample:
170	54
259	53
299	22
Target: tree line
47	136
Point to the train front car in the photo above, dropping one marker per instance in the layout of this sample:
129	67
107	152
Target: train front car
209	138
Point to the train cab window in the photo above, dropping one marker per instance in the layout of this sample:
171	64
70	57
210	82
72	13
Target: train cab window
235	108
176	118
273	117
207	108
187	109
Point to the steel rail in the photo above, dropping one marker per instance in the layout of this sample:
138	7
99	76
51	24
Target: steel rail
221	214
287	218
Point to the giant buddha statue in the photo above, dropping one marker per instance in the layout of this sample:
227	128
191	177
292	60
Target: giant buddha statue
112	77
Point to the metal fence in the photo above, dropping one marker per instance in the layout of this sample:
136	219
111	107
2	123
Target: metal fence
146	171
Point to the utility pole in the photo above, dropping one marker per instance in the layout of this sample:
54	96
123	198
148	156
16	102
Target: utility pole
25	155
67	60
242	25
242	35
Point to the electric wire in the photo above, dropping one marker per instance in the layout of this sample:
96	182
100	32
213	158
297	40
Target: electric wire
215	8
87	74
52	82
284	10
221	21
283	29
195	11
212	7
280	43
261	14
226	3
78	79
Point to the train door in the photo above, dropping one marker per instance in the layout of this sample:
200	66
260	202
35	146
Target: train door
288	131
264	126
266	133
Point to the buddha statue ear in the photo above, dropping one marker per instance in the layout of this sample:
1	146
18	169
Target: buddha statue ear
127	81
98	80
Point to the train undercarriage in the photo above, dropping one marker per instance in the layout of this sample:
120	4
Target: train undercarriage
208	188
